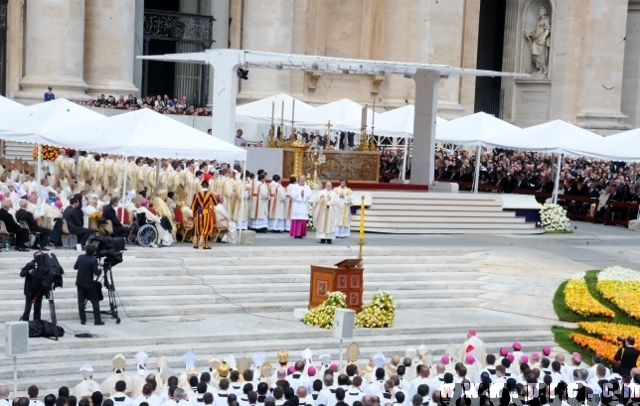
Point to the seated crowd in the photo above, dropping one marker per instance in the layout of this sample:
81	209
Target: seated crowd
412	380
85	198
161	104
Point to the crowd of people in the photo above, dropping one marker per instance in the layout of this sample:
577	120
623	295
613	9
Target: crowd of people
192	199
413	380
161	104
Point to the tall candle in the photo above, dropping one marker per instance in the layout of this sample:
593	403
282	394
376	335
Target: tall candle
362	217
364	116
373	115
293	110
282	117
273	111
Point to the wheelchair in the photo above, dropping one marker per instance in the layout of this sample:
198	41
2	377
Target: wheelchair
142	232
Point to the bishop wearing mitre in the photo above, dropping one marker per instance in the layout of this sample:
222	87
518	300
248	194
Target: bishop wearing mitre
325	213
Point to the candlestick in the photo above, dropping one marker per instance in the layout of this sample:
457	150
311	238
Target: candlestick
293	110
282	115
373	116
273	111
364	116
361	217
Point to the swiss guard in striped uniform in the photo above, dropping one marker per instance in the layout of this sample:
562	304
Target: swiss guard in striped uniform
203	216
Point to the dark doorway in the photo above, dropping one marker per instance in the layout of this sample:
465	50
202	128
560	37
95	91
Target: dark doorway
490	48
161	75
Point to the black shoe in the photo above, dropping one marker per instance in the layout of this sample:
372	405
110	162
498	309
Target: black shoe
99	323
298	237
83	322
22	249
329	241
323	241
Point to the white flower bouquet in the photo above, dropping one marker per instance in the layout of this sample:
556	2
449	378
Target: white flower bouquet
553	218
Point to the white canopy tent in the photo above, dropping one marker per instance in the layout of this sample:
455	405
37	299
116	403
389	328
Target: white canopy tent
624	146
556	136
473	130
399	122
8	104
272	106
343	114
145	133
27	124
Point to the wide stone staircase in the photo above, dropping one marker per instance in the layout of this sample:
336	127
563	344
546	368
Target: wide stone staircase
239	300
441	213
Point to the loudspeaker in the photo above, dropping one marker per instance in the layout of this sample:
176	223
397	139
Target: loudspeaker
343	323
17	341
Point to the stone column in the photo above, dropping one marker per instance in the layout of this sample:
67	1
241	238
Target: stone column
511	37
138	44
271	28
631	73
424	127
602	63
470	27
54	50
109	47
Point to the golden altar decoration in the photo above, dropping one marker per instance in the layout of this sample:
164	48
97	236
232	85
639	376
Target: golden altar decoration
356	166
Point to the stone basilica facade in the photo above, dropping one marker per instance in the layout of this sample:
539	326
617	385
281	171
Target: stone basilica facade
583	56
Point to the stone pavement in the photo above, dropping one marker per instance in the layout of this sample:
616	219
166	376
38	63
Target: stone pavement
239	299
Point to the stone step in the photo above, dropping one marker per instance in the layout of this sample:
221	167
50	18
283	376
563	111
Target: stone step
67	309
399	214
419	220
394	201
486	224
499	230
435	206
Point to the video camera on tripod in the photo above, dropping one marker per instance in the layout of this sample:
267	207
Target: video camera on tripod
108	253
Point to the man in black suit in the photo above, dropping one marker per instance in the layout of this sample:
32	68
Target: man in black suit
22	234
33	290
24	215
627	356
87	267
74	220
110	214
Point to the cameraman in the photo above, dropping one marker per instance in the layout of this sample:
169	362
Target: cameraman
87	267
627	355
33	289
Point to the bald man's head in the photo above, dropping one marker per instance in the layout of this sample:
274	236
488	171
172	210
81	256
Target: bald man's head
440	368
4	392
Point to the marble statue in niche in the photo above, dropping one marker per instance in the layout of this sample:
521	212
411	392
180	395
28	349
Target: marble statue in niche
539	43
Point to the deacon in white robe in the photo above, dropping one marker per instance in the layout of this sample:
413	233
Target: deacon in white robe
325	211
223	221
277	197
259	210
344	209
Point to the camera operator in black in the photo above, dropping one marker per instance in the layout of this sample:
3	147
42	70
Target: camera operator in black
34	289
87	267
627	355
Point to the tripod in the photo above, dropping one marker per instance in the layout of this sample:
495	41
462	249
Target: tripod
52	310
107	279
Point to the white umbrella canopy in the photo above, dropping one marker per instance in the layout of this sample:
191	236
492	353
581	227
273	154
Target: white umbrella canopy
29	123
555	136
8	105
472	129
145	133
343	114
399	122
262	109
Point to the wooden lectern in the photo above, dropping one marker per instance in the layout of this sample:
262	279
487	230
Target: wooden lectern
346	277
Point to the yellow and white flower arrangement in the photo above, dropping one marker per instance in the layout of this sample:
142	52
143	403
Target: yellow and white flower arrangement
322	316
553	218
621	286
380	312
49	153
579	300
298	144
